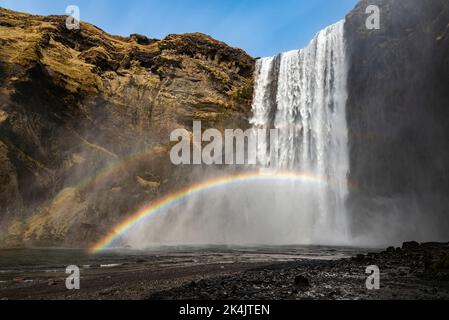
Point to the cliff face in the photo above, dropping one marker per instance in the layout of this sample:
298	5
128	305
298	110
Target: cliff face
398	114
85	120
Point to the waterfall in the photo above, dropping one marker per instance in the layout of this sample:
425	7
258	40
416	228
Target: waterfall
303	94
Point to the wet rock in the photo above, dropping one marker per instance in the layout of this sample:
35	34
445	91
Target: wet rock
360	257
52	282
403	271
301	281
397	93
391	250
412	245
343	279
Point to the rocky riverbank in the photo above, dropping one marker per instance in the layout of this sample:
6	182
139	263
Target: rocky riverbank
414	271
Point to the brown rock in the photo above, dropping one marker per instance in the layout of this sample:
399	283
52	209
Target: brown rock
83	112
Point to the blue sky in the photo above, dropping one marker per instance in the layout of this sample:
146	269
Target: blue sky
260	27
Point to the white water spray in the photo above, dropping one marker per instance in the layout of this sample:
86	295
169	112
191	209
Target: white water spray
303	94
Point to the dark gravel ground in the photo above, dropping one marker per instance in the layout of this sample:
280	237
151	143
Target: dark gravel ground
415	271
130	282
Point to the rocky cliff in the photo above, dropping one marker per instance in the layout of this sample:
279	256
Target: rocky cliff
85	119
398	118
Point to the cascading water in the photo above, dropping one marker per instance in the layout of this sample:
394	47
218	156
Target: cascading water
303	94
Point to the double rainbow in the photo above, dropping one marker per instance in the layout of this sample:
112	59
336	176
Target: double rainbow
164	203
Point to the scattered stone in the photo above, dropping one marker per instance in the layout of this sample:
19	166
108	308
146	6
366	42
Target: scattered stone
107	292
391	250
52	282
403	271
360	257
412	245
342	279
302	281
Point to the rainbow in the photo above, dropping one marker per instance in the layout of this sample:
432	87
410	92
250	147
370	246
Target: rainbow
164	203
103	176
